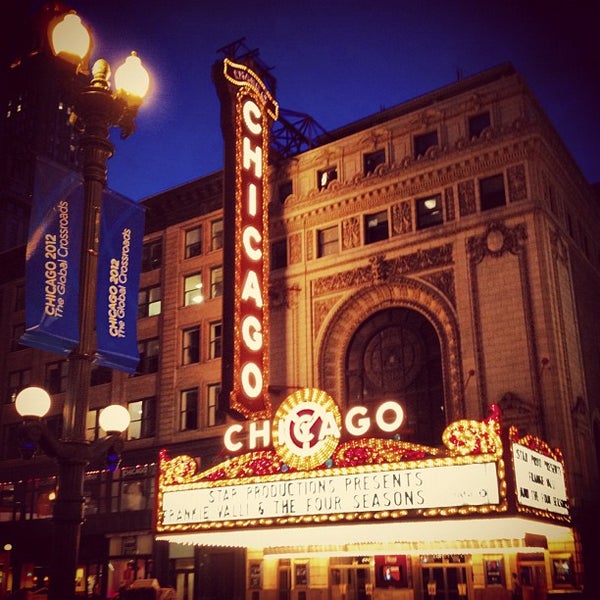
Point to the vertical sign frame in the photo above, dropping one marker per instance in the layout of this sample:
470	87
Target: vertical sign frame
247	111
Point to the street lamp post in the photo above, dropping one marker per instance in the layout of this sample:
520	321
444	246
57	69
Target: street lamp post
98	109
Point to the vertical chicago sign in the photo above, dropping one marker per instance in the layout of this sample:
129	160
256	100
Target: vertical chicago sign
247	111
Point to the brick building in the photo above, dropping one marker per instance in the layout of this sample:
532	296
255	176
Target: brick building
444	253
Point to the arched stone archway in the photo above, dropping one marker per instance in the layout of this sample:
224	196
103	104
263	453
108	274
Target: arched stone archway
342	324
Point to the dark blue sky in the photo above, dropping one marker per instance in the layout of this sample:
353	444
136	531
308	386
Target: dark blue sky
338	61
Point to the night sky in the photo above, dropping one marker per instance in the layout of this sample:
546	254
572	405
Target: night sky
338	61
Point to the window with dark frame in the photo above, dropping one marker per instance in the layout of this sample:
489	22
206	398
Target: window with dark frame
92	425
478	123
215	339
148	351
424	141
279	254
192	289
491	192
143	418
100	375
15	341
19	297
216	281
188	409
56	377
151	255
216	234
371	160
212	403
17	381
193	242
429	212
325	177
190	352
285	189
376	227
149	302
328	242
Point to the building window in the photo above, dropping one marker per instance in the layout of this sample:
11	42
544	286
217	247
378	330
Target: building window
193	242
17	380
376	227
142	414
188	409
19	297
148	350
212	403
285	189
149	302
192	289
100	375
92	426
151	255
56	377
477	124
325	177
216	234
191	345
216	282
215	340
429	212
424	141
372	160
279	254
491	192
328	241
15	341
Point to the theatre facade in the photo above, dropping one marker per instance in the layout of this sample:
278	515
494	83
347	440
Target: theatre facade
398	431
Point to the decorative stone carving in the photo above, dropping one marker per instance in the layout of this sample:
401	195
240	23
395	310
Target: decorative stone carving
402	217
443	281
350	233
379	268
295	240
517	183
496	241
466	197
449	202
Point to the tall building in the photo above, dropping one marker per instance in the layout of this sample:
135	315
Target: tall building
443	254
36	99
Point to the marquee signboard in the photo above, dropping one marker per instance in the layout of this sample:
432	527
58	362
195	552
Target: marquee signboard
247	110
539	478
310	465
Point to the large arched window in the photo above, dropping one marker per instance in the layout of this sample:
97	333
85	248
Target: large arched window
395	355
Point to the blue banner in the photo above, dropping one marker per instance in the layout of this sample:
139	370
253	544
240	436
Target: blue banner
119	265
53	259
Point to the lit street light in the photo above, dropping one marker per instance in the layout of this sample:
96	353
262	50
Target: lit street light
97	110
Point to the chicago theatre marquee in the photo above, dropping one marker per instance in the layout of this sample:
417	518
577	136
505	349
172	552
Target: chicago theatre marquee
327	504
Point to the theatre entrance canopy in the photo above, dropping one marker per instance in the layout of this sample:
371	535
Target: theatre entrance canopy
312	480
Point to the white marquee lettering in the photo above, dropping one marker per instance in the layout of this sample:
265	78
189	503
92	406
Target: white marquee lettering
252	115
251	289
252	205
250	235
252	380
228	438
398	416
252	333
259	430
361	426
250	156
